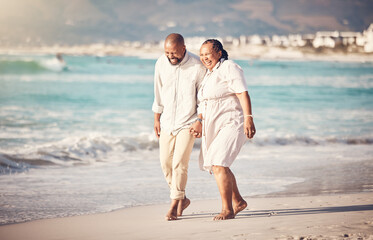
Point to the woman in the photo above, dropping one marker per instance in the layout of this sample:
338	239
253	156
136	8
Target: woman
225	108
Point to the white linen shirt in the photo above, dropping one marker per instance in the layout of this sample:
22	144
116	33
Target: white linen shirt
175	92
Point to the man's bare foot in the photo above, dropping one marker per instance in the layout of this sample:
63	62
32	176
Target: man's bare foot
182	205
171	215
240	206
224	215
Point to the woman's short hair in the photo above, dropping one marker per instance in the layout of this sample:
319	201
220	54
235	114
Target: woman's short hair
217	46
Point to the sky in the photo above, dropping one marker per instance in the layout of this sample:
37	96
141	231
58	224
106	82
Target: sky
91	21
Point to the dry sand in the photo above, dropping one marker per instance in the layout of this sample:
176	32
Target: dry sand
342	216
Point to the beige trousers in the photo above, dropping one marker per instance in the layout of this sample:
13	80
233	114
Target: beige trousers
174	155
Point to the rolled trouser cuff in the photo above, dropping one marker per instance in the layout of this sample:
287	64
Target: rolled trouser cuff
177	195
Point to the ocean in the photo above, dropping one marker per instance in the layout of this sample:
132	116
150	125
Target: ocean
78	139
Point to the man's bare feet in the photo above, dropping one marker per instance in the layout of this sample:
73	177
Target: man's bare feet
241	205
171	215
182	205
224	215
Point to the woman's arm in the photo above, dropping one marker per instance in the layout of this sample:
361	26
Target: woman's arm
245	102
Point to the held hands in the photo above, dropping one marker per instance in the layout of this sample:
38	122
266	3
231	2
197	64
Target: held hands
196	129
249	127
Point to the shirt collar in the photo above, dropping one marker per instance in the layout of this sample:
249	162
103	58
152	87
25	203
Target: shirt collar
185	59
217	65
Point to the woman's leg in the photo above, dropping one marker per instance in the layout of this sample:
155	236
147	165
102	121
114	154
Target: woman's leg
224	181
239	203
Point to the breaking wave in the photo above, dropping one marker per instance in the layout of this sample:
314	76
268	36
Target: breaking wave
77	151
30	66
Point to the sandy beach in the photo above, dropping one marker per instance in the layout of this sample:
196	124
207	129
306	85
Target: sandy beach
342	216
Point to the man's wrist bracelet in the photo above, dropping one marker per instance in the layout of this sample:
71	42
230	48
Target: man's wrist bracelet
249	115
199	120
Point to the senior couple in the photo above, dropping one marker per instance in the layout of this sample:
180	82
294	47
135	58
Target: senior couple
206	98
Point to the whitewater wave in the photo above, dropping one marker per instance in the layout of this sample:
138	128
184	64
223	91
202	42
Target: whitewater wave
54	65
73	151
303	140
30	65
87	150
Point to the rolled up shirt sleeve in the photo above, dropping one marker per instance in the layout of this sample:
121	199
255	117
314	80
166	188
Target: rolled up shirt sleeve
157	103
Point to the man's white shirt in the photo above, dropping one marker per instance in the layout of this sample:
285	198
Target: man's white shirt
175	92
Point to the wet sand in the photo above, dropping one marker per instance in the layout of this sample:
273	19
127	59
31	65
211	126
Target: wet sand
338	216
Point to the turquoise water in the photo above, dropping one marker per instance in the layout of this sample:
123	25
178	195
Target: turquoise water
87	127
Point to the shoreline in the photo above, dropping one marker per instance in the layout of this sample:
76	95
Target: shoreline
332	216
328	204
239	53
317	181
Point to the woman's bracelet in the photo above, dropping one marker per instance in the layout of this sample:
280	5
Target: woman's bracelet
249	115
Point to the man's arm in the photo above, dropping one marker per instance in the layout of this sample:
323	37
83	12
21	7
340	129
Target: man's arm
157	104
157	124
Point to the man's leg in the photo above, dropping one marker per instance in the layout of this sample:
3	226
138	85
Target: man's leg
166	152
183	148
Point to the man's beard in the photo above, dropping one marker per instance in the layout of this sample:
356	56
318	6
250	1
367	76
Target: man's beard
178	61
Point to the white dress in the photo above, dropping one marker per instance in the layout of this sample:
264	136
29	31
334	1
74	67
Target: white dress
222	133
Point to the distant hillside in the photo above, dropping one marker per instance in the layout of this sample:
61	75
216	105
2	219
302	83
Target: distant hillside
86	21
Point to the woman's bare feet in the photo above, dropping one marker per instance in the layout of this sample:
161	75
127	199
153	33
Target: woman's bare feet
182	205
241	205
224	215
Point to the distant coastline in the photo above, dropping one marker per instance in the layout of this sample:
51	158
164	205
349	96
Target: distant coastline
321	46
153	51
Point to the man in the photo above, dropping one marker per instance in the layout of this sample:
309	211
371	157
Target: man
177	78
